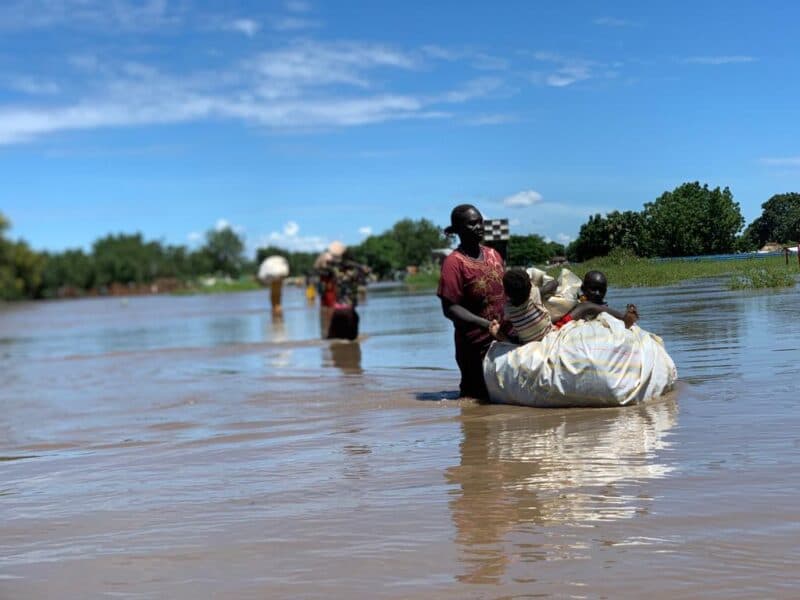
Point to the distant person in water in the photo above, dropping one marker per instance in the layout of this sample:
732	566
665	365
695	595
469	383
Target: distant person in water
471	293
592	302
272	272
347	276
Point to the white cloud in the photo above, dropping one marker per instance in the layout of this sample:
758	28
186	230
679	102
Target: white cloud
290	229
292	24
477	60
476	88
569	70
223	224
496	119
129	15
301	86
289	238
788	161
34	86
194	237
365	231
613	22
248	27
311	64
719	60
564	238
524	198
298	6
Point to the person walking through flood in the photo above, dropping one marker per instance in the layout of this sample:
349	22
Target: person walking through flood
348	276
472	296
272	271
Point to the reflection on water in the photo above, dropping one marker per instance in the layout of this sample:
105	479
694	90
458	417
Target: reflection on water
344	355
276	333
547	468
204	444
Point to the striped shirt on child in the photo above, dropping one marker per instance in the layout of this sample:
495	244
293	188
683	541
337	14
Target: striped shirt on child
530	319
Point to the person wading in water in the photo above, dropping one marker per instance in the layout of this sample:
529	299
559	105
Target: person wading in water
472	296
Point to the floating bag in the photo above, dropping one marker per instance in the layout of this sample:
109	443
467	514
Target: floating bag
585	363
566	295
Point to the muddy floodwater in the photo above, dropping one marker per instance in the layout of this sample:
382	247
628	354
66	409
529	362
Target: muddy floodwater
192	447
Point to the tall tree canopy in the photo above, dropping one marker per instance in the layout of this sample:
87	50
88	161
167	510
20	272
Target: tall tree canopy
600	235
779	221
224	249
20	267
525	250
691	220
416	239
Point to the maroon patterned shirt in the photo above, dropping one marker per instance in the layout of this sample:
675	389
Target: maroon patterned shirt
477	285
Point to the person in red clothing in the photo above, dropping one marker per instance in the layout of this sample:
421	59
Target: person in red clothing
472	296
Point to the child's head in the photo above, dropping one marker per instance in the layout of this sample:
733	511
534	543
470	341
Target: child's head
594	286
517	285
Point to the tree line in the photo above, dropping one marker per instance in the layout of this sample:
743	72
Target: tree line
692	219
129	262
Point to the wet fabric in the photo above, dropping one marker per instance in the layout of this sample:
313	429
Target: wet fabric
344	322
585	363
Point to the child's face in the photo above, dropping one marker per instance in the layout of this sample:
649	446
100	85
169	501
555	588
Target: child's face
594	290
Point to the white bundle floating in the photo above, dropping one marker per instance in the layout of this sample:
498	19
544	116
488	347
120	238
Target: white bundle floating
585	363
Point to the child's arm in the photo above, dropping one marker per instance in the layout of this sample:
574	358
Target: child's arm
495	328
590	309
548	289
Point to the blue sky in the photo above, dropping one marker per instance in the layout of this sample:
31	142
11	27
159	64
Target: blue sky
300	122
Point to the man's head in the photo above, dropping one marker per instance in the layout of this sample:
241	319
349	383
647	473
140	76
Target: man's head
594	286
517	285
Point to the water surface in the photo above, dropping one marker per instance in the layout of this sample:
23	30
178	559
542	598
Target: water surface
192	447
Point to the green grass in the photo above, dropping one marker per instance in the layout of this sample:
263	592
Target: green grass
626	270
219	286
426	279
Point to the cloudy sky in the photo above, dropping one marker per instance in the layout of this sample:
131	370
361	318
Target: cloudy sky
300	122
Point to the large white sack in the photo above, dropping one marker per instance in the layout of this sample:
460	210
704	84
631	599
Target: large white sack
273	267
585	363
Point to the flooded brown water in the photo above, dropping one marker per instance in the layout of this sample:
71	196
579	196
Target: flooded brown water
190	447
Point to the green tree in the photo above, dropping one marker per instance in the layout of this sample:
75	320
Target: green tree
382	253
779	221
525	250
126	258
224	248
416	239
602	234
626	230
592	240
69	269
20	267
692	220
